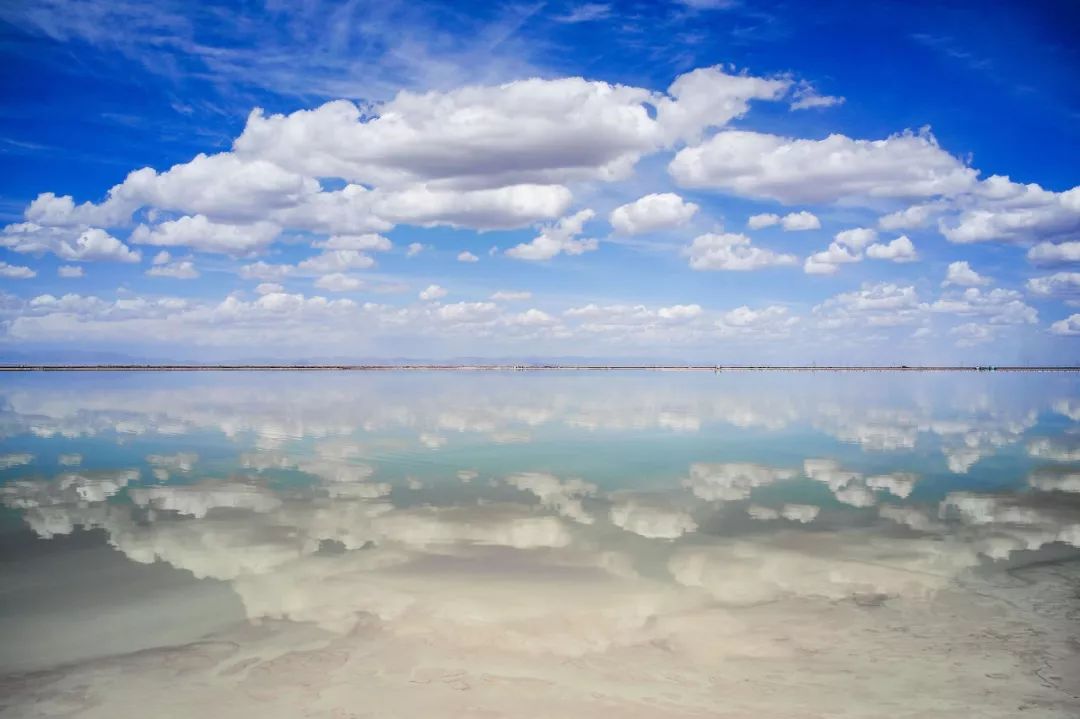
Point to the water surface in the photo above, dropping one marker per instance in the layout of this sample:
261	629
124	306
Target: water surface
539	545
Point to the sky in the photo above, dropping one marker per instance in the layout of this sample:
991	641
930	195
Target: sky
695	181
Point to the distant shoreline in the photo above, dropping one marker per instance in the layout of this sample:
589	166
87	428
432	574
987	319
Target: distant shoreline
520	368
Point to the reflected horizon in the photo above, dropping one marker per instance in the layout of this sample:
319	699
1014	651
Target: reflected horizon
541	545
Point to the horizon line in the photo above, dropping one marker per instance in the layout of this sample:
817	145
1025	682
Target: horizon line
525	367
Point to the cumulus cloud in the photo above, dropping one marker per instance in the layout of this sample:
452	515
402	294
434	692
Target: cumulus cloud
69	271
768	219
847	248
71	245
1006	211
899	250
544	131
732	251
1060	284
652	212
482	209
331	261
961	275
828	261
793	171
557	239
179	270
432	292
366	242
16	272
910	218
415	248
797	221
1048	253
466	256
1068	327
791	222
882	304
339	282
1001	306
199	233
770	322
510	296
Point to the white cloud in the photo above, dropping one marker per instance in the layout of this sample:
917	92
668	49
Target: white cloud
806	97
846	249
528	131
1048	253
367	242
961	275
794	171
16	272
72	245
432	292
797	221
275	318
768	322
877	305
899	250
264	271
199	233
267	288
339	282
768	219
1059	284
332	261
791	222
731	251
180	270
532	318
652	212
1001	306
856	238
709	97
679	312
510	296
482	209
466	256
910	218
415	248
1006	211
467	312
557	239
1069	327
828	261
69	271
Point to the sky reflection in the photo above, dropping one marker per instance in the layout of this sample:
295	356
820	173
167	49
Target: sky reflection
652	544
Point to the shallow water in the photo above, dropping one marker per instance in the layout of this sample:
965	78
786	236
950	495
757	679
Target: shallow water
539	545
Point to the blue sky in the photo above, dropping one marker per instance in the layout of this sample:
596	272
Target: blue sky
714	181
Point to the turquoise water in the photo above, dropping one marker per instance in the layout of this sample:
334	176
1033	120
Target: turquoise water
525	544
